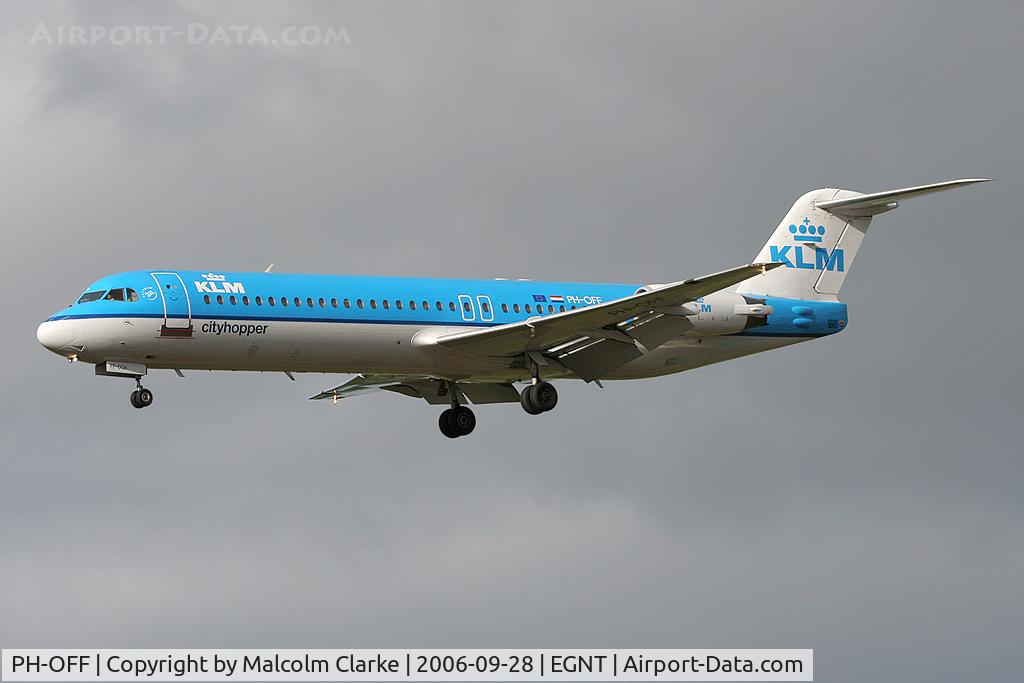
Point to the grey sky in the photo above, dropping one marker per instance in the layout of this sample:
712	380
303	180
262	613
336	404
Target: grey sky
859	494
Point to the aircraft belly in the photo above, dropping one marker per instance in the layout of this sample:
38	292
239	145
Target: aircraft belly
277	346
359	348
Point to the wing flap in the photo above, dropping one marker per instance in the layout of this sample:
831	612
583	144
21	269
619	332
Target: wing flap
595	360
361	384
653	331
431	389
487	392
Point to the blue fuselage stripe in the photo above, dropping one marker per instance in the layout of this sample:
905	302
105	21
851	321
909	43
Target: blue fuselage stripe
422	302
283	319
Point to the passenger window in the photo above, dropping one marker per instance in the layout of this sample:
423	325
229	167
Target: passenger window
528	309
412	305
504	308
334	303
309	302
561	309
373	304
270	301
92	296
259	301
439	307
245	301
359	303
426	305
220	299
233	300
132	294
284	301
515	307
298	302
551	309
386	304
114	295
206	298
398	304
466	307
486	306
451	305
348	304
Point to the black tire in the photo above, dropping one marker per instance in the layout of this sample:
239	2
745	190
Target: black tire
134	398
544	396
526	400
463	420
145	397
444	421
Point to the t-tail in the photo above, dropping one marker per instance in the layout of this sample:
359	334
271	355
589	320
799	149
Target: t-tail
818	239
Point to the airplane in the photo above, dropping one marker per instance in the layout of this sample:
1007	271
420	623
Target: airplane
455	342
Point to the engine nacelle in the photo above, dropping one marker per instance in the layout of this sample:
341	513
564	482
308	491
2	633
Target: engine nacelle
719	313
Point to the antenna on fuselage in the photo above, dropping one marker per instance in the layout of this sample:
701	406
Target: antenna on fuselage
269	268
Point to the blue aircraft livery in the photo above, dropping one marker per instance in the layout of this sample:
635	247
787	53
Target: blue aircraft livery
459	342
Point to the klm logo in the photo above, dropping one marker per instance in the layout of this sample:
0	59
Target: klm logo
807	236
216	284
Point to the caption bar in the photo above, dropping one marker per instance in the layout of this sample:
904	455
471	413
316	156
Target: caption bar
407	665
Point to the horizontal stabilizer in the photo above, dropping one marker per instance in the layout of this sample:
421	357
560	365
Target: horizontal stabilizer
878	202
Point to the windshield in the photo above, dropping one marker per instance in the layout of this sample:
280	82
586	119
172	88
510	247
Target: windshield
91	296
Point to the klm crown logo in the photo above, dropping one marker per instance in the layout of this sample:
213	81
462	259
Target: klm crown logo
809	236
807	232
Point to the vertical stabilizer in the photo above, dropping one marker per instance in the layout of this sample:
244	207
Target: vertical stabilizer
819	238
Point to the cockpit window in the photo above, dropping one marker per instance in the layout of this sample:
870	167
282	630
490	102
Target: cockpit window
132	294
114	295
92	296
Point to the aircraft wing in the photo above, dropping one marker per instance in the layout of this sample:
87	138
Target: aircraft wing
432	389
592	341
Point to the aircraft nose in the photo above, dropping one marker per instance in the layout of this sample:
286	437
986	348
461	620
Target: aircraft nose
56	335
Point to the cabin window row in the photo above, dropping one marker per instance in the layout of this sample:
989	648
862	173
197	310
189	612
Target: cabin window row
386	304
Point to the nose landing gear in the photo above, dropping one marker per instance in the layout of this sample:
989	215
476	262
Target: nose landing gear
141	397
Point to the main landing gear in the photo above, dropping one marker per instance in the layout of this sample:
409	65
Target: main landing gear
141	397
539	397
458	420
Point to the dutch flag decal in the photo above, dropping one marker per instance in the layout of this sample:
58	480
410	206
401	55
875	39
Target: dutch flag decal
557	299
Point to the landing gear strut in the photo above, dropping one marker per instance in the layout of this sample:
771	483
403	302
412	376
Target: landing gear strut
458	420
141	397
539	397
